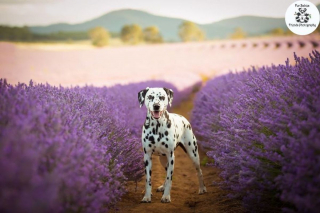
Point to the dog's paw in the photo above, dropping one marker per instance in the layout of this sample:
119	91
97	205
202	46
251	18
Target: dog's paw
160	189
146	200
165	199
203	190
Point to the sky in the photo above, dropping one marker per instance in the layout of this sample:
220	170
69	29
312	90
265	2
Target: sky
44	12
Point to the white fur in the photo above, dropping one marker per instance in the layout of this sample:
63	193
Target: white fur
161	137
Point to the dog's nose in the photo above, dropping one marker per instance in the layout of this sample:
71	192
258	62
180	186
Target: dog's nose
156	107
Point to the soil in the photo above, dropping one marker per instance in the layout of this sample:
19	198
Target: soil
185	186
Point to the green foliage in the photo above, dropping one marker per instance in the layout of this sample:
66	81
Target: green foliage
15	33
277	32
152	35
289	32
206	160
61	36
189	31
131	34
114	34
238	33
99	36
266	131
24	34
317	30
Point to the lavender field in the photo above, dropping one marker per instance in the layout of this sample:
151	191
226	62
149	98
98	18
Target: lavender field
182	64
69	149
262	127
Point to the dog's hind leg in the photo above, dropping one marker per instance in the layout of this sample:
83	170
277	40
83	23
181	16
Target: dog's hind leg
190	144
164	163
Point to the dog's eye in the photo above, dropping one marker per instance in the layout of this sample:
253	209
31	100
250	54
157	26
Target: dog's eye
162	98
150	97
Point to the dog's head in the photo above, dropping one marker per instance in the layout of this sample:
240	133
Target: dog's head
156	100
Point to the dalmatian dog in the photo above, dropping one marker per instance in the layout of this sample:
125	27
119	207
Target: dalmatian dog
162	133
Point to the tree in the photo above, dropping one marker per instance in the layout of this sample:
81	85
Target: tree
152	35
131	34
238	33
289	33
99	36
189	31
317	30
277	32
15	33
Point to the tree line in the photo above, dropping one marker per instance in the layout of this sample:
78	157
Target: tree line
129	34
134	34
24	34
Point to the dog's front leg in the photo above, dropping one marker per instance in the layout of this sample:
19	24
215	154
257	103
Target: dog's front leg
148	167
166	194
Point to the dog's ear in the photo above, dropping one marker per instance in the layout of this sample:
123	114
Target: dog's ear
170	95
142	96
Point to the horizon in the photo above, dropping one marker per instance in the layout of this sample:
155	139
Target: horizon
151	14
12	13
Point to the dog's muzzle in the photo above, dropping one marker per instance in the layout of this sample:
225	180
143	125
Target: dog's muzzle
156	113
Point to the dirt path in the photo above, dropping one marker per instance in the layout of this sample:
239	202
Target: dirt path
184	192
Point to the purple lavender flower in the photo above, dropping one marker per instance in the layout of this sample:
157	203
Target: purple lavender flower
262	128
69	149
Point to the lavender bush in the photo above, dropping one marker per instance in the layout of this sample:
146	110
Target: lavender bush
68	149
262	127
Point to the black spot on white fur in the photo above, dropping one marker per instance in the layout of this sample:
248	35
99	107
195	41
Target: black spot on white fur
159	130
151	138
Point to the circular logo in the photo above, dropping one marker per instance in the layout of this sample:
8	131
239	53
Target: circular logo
302	17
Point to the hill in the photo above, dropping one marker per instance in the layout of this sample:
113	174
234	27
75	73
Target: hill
114	21
252	25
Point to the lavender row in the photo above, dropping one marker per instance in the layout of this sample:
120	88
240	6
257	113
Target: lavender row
262	127
69	149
